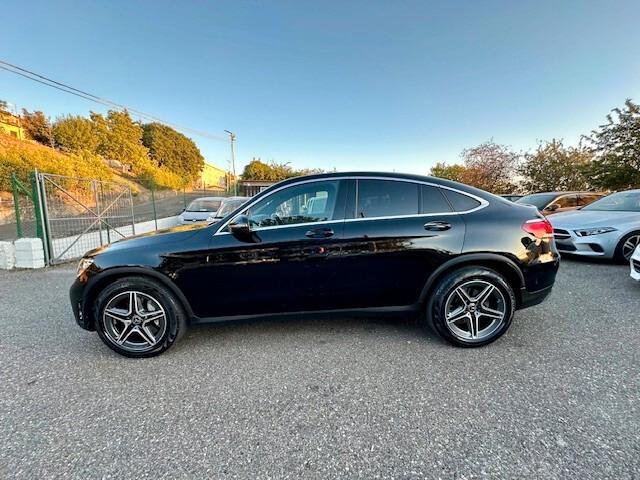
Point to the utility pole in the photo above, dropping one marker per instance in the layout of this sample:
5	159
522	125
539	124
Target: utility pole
232	139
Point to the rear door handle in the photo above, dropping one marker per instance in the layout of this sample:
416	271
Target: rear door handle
319	233
437	226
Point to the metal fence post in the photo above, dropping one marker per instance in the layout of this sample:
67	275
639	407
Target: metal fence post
153	203
42	223
94	187
16	204
133	218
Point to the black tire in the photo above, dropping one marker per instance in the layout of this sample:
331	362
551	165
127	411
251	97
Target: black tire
174	320
619	254
470	278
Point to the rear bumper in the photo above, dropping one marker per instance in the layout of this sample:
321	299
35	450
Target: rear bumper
530	299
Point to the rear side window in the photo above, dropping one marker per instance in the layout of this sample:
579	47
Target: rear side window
386	198
567	201
433	200
461	202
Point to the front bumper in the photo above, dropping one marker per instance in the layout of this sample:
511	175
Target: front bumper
634	263
602	246
78	305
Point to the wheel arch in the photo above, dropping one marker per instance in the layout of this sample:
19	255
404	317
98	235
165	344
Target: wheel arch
106	277
501	264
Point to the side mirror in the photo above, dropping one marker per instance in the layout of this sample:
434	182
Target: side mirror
553	207
241	229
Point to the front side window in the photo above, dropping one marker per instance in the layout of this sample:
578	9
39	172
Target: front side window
386	198
309	202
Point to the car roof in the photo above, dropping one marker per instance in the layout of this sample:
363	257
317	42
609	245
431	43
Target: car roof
394	176
568	192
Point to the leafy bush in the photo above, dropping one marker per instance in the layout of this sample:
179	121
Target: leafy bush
22	158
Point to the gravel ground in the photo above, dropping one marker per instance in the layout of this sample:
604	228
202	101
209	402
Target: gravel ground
556	397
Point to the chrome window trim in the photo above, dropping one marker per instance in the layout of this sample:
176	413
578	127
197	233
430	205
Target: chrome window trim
482	201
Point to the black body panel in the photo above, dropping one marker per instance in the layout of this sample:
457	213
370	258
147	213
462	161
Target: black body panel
343	263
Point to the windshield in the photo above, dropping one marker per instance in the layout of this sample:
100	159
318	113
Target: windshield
617	202
538	200
204	205
229	206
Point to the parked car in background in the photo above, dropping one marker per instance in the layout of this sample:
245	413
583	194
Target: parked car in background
457	257
512	197
635	264
227	206
550	203
608	228
200	210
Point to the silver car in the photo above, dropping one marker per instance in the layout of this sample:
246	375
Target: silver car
200	210
607	228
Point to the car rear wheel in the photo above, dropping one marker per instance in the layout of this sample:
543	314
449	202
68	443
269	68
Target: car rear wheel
626	247
471	307
138	317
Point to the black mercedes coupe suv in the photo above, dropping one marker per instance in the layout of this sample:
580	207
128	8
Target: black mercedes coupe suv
461	259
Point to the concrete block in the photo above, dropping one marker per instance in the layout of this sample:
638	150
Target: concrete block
29	253
7	256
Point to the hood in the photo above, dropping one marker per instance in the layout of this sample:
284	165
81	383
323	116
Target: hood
592	218
150	240
186	215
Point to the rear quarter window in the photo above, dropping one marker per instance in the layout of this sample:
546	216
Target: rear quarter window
460	202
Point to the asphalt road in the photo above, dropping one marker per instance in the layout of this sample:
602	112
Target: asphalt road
556	397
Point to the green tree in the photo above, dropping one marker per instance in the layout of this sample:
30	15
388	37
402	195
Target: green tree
75	134
172	150
453	172
491	167
273	171
37	126
556	167
120	138
617	147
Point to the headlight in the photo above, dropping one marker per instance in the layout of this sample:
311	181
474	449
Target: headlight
585	232
83	265
211	219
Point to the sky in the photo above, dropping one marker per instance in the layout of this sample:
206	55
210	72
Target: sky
350	85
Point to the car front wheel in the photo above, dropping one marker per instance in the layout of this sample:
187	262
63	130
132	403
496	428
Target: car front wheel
471	307
138	317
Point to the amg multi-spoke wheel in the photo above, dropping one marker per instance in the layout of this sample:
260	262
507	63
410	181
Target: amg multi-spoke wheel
472	306
138	317
134	320
627	246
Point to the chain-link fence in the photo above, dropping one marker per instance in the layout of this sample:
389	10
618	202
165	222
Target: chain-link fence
73	215
17	211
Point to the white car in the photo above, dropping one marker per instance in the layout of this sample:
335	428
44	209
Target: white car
635	264
607	228
200	210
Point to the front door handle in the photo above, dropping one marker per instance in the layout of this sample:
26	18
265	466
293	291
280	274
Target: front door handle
437	226
319	233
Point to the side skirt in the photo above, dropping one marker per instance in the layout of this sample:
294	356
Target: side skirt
319	314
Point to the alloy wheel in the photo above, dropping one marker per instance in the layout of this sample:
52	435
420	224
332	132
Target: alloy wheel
134	321
629	246
475	310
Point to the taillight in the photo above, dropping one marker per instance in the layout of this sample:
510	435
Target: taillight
538	227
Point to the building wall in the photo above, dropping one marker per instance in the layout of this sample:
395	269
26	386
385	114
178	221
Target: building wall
213	177
10	125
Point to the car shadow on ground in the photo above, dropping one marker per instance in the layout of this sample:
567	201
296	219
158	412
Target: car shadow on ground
318	329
